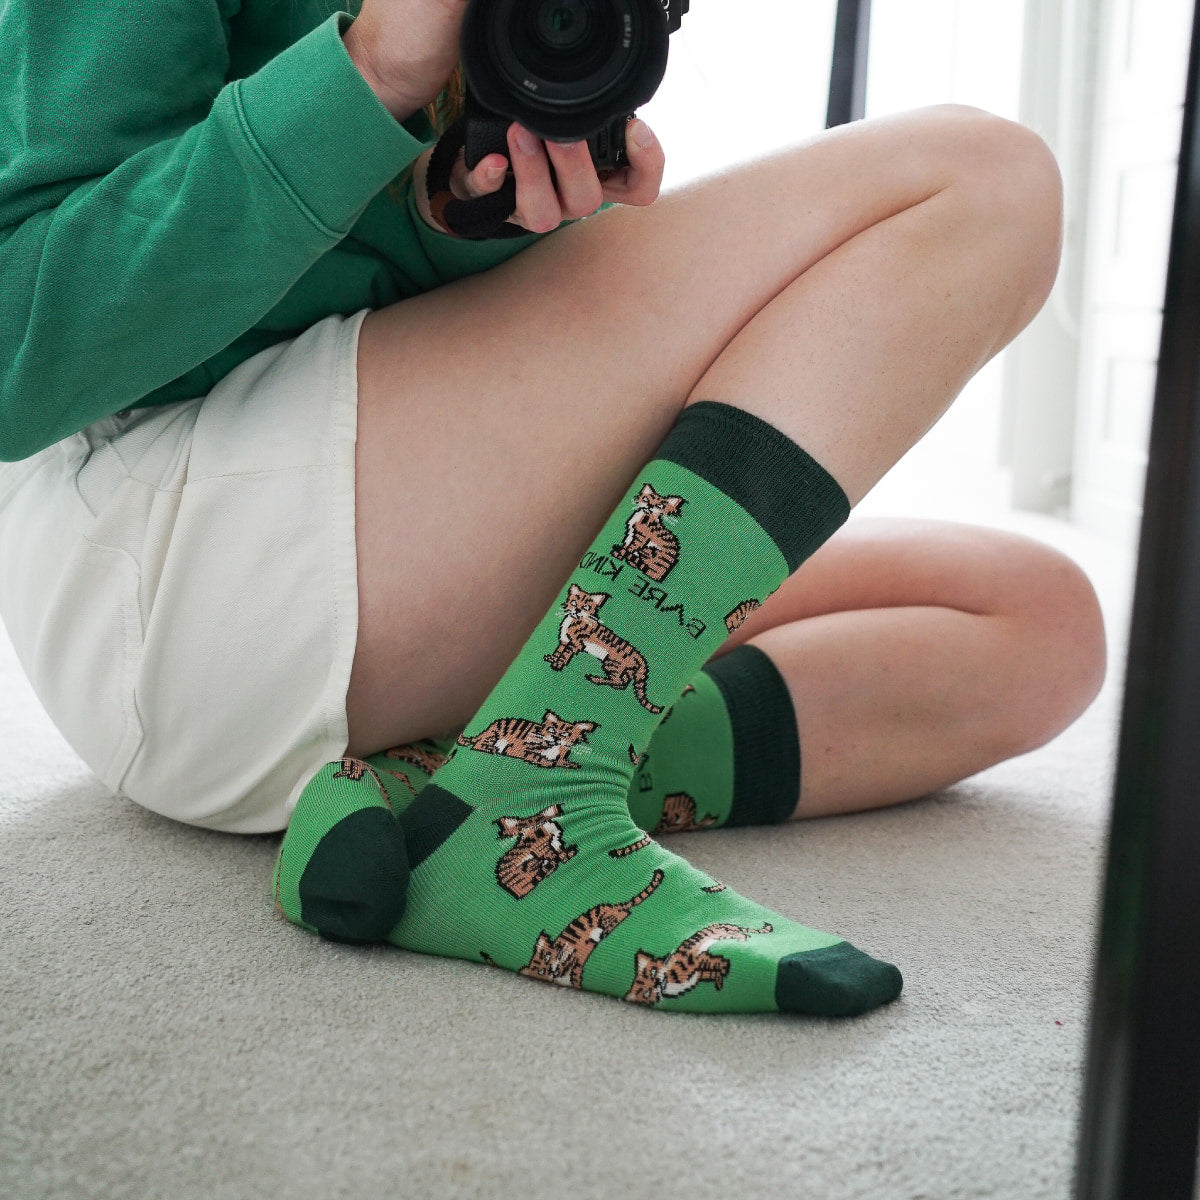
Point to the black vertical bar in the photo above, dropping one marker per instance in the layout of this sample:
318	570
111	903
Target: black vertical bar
1141	1100
848	74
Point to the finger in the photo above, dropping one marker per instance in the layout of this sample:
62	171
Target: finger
579	191
486	178
537	203
641	181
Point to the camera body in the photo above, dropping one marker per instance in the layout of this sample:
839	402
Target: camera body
568	70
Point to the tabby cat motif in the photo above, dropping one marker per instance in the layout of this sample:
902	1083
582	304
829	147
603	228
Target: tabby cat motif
640	844
562	959
539	850
582	632
649	546
415	754
355	769
679	815
676	974
737	618
544	744
425	757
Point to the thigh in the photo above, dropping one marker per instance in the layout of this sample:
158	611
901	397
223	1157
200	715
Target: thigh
502	417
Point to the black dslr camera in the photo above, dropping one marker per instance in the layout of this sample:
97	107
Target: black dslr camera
568	70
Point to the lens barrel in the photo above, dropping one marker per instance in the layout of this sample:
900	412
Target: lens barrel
564	68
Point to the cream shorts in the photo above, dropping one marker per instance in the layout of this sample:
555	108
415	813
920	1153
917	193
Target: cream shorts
180	585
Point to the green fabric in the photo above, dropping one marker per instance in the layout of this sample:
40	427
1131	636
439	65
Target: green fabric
354	886
684	780
342	866
690	758
548	875
182	186
832	983
334	793
766	742
796	501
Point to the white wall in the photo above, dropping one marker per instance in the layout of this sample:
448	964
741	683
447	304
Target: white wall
749	76
742	78
1136	133
745	78
931	51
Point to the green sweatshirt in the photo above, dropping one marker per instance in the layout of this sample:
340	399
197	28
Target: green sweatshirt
182	184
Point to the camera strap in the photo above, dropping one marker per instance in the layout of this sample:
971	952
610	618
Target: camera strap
486	216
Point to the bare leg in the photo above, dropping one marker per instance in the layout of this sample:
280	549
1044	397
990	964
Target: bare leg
844	290
919	652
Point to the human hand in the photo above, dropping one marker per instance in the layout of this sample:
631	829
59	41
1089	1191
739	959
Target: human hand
575	190
406	49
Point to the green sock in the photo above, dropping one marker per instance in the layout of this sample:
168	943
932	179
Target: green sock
521	848
342	867
726	753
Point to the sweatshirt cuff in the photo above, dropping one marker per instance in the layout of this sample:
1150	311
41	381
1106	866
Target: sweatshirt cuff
321	130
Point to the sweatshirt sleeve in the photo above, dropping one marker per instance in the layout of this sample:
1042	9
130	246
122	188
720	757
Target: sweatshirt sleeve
447	257
150	211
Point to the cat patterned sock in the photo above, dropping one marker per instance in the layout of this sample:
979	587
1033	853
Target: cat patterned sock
726	753
521	848
342	867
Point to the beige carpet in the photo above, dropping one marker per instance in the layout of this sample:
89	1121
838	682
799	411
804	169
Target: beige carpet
164	1034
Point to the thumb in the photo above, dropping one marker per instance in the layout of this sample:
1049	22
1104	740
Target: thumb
486	178
640	141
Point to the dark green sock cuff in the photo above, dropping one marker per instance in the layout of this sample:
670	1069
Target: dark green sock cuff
766	746
782	487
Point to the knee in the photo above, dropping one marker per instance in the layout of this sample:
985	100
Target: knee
1058	647
1011	197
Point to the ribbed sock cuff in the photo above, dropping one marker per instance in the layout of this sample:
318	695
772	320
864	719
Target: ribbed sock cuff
766	746
796	501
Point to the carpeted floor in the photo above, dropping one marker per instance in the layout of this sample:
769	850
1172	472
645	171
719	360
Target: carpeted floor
164	1034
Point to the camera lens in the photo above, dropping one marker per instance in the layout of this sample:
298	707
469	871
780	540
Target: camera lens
563	68
563	24
563	52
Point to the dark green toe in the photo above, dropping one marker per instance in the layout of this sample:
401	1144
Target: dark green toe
838	981
356	882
